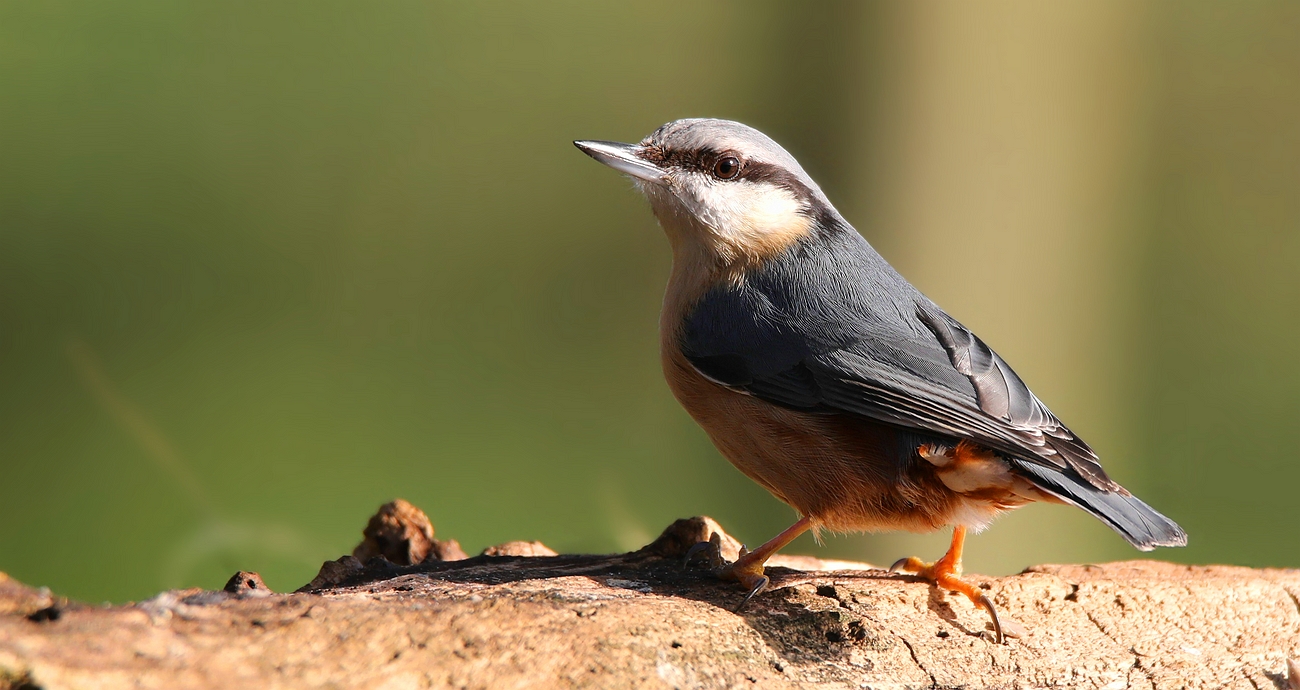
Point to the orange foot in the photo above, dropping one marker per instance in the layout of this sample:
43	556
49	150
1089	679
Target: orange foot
946	573
749	572
748	569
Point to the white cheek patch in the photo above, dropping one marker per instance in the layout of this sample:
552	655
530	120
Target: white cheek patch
744	212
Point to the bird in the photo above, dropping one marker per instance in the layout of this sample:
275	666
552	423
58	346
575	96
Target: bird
830	380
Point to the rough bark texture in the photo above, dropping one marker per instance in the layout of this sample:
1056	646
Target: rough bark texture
643	620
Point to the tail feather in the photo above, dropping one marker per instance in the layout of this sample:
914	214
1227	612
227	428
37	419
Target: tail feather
1136	521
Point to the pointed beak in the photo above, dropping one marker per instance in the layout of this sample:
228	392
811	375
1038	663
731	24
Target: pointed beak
624	158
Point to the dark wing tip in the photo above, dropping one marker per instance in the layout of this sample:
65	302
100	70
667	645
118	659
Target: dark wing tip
1175	538
1140	524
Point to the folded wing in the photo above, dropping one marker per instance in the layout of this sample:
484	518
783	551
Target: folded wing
832	327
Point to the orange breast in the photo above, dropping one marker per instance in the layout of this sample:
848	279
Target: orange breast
847	473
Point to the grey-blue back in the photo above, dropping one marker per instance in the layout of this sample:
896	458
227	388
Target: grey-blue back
830	326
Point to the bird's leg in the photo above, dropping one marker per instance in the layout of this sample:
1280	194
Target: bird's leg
946	573
748	569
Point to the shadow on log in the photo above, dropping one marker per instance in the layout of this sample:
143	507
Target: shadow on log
518	617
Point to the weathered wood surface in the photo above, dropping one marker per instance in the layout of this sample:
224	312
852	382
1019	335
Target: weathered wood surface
642	620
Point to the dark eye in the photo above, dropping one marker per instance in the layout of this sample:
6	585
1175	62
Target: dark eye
726	168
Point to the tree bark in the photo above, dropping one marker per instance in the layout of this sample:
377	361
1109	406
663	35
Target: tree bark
642	619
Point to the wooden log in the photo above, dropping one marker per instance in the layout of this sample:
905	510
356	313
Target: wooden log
642	619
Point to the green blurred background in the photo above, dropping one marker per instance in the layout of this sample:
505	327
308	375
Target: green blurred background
264	266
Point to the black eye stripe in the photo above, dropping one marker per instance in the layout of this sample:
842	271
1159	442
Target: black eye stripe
703	161
755	171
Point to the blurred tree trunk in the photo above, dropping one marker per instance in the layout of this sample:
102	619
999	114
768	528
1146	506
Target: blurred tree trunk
998	164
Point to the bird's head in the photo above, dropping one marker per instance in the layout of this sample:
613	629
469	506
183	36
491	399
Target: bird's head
723	192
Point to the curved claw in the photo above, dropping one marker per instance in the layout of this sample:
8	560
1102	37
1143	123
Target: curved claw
760	584
987	603
900	565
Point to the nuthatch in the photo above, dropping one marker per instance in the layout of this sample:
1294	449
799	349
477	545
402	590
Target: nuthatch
826	377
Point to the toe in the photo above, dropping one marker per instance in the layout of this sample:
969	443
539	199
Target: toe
911	564
976	597
700	548
749	574
712	549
